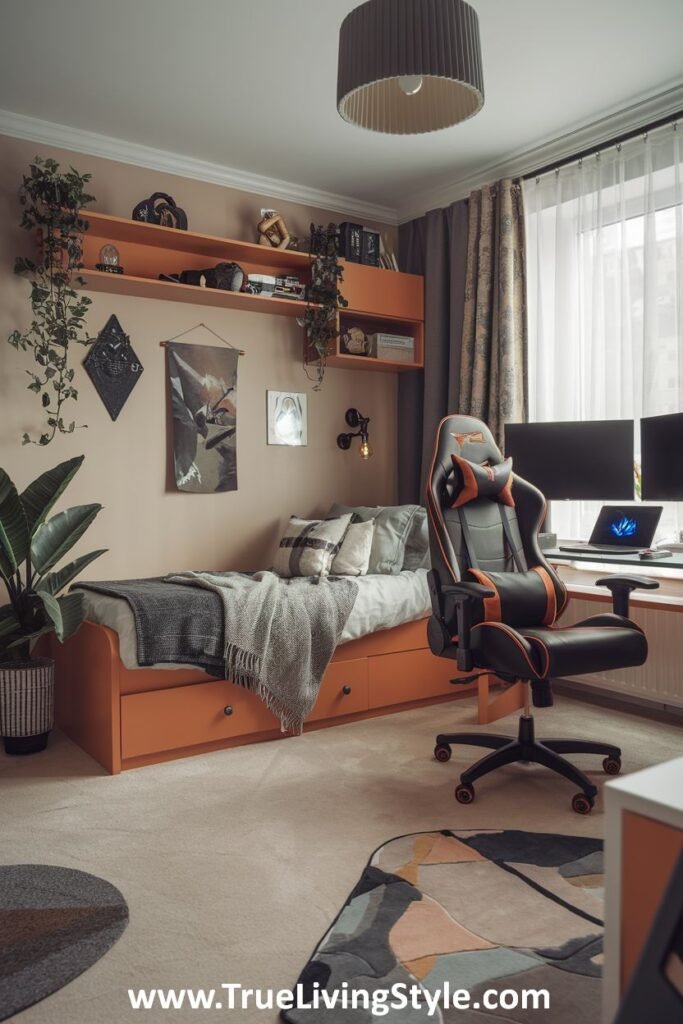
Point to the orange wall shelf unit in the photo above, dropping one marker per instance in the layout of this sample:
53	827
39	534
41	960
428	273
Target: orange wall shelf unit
378	299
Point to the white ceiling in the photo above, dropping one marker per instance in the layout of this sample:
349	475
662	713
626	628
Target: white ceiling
251	84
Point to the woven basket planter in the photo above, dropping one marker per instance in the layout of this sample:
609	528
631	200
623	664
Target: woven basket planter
26	704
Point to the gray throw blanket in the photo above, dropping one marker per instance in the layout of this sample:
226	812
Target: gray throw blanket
276	636
279	634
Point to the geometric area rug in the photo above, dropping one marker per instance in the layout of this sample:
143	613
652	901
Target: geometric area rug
54	923
495	913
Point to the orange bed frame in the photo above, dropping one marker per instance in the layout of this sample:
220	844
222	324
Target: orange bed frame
129	718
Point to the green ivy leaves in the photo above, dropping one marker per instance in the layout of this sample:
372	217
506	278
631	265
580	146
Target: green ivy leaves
52	201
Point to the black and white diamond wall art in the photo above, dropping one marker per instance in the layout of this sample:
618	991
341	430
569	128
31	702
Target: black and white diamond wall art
113	366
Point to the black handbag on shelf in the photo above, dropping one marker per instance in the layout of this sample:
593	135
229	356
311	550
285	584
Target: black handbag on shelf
161	209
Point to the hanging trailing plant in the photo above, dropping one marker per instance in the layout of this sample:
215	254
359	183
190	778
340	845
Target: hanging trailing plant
320	320
51	202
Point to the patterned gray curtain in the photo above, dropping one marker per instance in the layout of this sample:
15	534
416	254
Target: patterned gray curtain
493	363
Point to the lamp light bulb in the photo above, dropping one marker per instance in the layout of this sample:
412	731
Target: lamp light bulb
365	450
410	84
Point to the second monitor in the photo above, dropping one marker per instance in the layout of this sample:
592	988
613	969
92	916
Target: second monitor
590	460
661	441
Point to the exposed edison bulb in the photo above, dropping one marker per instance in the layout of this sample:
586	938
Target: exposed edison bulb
365	450
410	84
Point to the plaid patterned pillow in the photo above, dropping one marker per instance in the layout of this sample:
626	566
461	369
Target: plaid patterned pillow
308	546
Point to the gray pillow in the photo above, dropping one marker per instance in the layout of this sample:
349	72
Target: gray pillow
417	543
392	528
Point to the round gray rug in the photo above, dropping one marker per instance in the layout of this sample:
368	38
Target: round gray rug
55	923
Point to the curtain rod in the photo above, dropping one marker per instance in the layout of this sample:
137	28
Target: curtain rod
616	141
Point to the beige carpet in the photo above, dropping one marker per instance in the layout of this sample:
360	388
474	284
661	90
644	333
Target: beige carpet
234	863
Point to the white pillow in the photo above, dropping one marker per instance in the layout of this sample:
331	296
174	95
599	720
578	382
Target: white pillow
308	546
353	557
393	524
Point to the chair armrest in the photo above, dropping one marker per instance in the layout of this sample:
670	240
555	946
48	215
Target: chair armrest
463	594
621	586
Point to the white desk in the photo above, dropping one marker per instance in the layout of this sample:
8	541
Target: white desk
643	839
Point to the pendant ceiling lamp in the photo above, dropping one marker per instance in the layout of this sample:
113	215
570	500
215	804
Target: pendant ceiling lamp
409	66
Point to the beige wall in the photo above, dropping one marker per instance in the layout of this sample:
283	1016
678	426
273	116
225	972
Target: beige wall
148	528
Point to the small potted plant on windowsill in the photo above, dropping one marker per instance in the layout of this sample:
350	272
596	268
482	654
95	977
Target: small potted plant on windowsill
30	548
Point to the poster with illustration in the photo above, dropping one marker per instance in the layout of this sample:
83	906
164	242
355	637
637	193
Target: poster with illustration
203	387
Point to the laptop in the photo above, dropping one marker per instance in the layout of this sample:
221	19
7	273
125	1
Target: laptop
626	528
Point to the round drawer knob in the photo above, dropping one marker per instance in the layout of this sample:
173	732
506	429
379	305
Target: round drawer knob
346	690
227	710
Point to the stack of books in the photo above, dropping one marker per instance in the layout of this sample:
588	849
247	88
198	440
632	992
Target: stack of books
358	244
276	287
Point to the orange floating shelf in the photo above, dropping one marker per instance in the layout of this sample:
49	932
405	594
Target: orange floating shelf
344	361
107	228
149	288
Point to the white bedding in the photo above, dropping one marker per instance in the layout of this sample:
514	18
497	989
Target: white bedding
382	602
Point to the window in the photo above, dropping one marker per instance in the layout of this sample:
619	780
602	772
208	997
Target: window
605	295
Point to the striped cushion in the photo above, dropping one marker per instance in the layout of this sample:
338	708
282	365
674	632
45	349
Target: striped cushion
308	546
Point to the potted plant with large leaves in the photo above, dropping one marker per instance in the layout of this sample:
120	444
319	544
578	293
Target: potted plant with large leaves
31	546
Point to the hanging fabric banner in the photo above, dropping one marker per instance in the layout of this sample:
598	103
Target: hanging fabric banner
203	387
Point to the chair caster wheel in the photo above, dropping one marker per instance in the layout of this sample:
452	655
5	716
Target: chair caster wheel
464	794
442	752
611	765
582	804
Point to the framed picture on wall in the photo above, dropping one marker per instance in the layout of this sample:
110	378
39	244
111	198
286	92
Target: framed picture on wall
287	418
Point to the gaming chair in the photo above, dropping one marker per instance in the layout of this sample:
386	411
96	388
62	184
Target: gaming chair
496	602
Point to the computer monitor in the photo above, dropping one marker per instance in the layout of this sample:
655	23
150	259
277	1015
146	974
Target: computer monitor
661	457
588	460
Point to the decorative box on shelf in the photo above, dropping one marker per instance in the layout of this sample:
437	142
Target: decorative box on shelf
397	348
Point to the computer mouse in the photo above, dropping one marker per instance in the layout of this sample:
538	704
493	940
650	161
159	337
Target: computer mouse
655	553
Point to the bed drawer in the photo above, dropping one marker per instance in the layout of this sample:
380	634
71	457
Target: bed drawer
408	675
344	690
189	715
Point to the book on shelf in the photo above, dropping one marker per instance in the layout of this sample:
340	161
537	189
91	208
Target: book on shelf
370	248
351	241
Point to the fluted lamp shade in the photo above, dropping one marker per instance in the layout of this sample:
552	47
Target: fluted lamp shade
409	66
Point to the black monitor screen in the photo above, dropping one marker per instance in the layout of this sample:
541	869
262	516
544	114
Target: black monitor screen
661	457
591	460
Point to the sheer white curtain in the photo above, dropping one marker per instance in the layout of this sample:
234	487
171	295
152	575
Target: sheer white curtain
605	294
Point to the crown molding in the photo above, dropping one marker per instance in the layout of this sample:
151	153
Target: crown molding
580	137
48	133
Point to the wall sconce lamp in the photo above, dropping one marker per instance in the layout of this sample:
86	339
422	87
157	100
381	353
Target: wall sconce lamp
354	419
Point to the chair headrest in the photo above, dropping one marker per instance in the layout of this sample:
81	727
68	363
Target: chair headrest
470	438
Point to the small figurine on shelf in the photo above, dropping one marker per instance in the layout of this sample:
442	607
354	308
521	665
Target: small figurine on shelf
272	230
109	260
